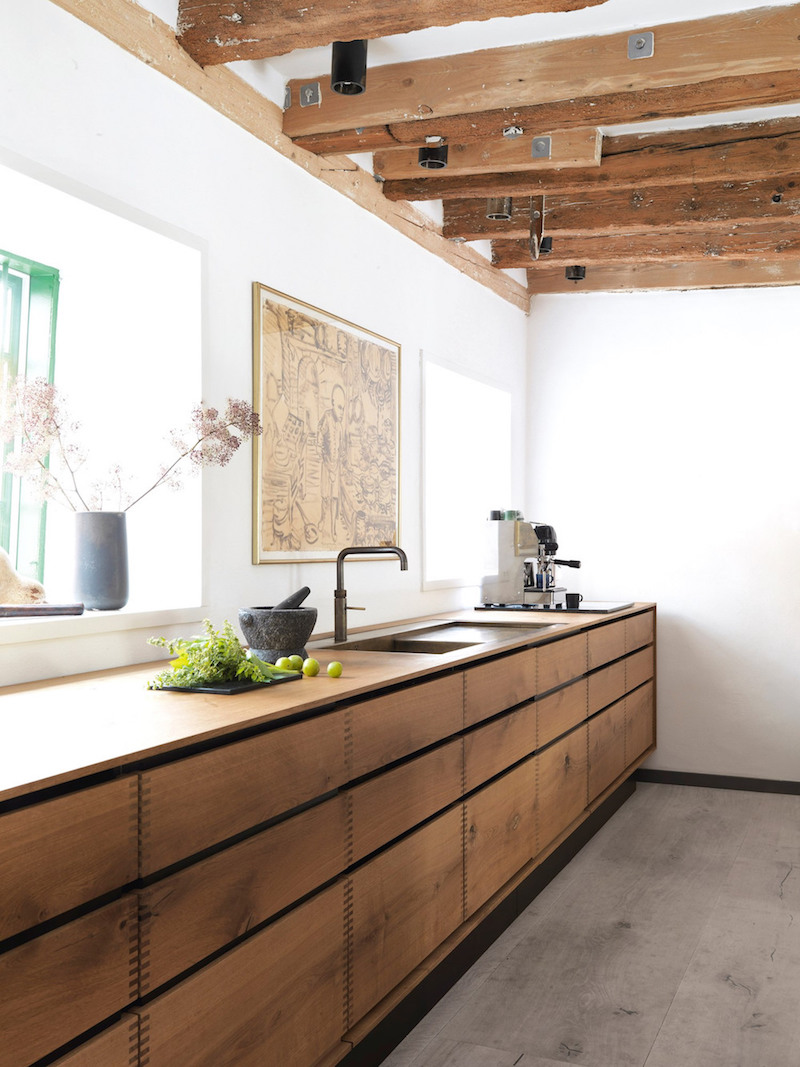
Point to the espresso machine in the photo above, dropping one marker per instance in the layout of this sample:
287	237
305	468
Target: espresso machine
522	557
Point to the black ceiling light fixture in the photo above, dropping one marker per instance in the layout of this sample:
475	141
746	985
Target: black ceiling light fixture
545	246
575	274
349	67
433	156
499	208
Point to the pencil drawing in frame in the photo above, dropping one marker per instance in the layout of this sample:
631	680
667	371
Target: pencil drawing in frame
325	467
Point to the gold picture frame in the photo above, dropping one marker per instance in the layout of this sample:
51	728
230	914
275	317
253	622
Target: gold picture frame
325	468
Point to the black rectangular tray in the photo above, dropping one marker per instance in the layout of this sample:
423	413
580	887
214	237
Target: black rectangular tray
228	689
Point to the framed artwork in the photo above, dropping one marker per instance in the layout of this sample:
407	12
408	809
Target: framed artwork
325	467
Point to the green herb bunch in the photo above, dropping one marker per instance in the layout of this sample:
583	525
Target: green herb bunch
212	658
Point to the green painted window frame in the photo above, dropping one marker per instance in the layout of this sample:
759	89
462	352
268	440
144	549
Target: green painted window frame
28	311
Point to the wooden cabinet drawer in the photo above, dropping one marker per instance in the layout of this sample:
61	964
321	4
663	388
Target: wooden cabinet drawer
639	668
274	999
560	711
639	722
201	909
606	642
65	852
405	902
201	800
560	662
389	727
501	684
606	748
496	746
116	1046
607	685
639	630
386	806
501	833
58	985
562	784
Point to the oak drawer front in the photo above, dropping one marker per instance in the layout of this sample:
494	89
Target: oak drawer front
390	727
560	662
64	852
56	986
496	746
562	777
639	668
501	833
190	804
188	915
607	685
385	807
276	998
639	722
606	748
560	711
405	902
499	685
117	1046
606	642
639	630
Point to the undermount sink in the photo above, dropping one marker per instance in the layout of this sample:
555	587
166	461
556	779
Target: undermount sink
443	637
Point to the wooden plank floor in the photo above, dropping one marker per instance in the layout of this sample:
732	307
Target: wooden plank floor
669	941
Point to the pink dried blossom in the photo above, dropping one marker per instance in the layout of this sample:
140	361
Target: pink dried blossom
32	418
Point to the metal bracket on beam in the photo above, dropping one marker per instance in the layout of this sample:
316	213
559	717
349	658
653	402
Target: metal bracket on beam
540	148
641	45
537	226
310	95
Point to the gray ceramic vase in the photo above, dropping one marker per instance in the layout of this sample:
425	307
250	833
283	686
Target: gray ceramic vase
101	560
275	632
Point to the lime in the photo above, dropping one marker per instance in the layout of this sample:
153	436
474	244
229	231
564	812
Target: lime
284	664
310	667
296	662
335	668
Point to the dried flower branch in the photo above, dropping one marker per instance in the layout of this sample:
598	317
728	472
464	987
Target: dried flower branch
33	420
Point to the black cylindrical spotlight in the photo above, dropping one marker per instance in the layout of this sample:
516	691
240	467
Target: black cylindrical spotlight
433	156
575	274
545	246
498	208
349	67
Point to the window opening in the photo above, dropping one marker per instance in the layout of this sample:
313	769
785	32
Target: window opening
28	305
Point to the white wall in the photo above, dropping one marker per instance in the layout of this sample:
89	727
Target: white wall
663	446
82	113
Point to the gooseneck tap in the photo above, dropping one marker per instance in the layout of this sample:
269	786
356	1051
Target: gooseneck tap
340	593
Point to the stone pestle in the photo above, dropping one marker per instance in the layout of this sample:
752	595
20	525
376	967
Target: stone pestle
293	601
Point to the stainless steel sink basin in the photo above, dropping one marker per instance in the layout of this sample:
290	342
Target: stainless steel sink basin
443	637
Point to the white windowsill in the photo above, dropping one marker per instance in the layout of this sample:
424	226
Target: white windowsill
50	627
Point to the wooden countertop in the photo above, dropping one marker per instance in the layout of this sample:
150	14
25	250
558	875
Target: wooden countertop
63	729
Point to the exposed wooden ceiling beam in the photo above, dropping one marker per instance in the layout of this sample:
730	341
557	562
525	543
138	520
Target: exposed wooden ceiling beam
217	31
612	109
749	42
763	241
739	152
629	277
639	209
565	148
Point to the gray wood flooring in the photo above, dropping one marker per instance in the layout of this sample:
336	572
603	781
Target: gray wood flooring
669	941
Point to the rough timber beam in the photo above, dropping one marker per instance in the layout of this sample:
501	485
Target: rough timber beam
152	41
766	242
219	31
568	148
739	152
639	209
750	42
630	277
612	109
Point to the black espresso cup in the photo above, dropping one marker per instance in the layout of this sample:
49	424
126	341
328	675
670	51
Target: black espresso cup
573	600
